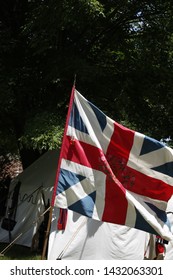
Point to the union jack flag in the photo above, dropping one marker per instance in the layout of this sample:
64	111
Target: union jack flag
110	173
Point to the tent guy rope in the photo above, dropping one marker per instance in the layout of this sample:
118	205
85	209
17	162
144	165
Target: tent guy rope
13	242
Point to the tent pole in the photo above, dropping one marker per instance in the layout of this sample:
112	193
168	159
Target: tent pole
47	234
11	243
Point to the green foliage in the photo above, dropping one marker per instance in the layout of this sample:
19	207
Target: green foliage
121	52
42	132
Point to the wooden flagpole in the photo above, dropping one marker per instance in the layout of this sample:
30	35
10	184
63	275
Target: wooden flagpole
47	234
57	175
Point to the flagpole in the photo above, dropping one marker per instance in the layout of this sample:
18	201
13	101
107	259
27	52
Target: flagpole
63	141
74	82
58	170
47	233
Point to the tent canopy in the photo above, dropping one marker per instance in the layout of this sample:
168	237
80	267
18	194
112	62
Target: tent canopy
35	191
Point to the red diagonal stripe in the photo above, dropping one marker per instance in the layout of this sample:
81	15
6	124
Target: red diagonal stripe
82	153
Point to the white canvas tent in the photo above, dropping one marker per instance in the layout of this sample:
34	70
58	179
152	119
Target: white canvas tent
37	183
87	239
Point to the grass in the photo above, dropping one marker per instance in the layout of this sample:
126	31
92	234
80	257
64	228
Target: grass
18	252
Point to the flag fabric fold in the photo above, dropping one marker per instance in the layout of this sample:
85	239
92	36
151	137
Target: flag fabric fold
110	173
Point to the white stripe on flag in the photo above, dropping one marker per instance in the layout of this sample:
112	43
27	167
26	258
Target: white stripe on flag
144	164
100	195
150	216
95	179
77	192
99	137
80	136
